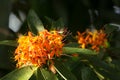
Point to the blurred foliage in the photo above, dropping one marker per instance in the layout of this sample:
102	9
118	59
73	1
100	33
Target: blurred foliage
76	15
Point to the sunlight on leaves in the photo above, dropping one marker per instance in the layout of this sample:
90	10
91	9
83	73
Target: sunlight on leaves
23	73
34	23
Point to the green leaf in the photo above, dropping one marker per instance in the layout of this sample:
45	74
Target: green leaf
8	43
44	74
23	73
109	28
110	75
5	55
34	22
63	71
88	74
72	50
97	62
76	69
105	69
55	24
59	23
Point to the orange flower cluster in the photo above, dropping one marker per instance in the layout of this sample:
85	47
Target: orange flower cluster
36	50
94	39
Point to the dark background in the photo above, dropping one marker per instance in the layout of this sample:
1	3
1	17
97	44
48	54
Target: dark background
77	15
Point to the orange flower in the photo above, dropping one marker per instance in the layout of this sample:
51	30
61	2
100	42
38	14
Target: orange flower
82	39
36	50
93	39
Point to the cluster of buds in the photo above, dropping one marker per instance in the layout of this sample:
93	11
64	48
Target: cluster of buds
92	39
37	49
